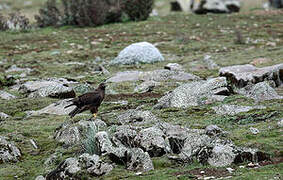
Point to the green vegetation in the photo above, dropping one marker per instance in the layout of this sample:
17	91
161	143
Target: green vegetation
182	38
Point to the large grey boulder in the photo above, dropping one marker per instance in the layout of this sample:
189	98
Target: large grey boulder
66	170
57	88
215	6
152	140
230	109
139	160
194	93
124	136
57	108
156	75
259	92
133	158
6	96
9	152
70	134
242	75
139	53
221	155
54	91
93	165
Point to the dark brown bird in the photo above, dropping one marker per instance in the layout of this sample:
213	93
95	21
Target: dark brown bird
88	101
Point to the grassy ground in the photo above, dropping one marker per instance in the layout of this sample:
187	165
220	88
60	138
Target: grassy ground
182	38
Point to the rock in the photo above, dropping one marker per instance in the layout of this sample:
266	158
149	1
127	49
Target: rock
280	123
57	108
259	92
6	96
8	151
83	88
54	91
51	160
222	155
65	170
230	109
125	76
40	178
215	6
152	141
193	146
213	130
165	75
139	160
15	68
259	61
175	136
146	86
125	135
93	165
193	94
134	116
242	75
174	67
249	155
254	130
210	64
3	116
156	75
104	143
32	86
71	134
138	53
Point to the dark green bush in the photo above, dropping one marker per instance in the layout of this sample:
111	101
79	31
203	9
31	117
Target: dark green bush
137	10
92	12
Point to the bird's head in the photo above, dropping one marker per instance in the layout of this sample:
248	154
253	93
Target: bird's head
102	86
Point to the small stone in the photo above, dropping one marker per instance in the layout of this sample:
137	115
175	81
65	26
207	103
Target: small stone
254	130
280	123
40	178
4	116
230	170
259	61
174	67
6	96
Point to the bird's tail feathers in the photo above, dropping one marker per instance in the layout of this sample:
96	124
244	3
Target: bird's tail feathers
74	112
69	105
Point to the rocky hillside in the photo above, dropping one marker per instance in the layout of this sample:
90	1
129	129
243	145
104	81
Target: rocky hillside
187	96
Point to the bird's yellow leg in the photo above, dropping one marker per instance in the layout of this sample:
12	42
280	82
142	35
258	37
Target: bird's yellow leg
94	115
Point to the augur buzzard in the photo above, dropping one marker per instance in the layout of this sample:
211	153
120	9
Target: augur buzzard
88	101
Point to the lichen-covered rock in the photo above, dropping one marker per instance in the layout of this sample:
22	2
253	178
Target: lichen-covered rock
139	160
259	92
222	155
134	116
15	68
231	109
158	75
54	91
193	145
152	140
193	94
66	170
213	130
93	165
125	135
40	178
57	108
242	75
214	6
71	134
6	96
137	53
8	151
280	123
